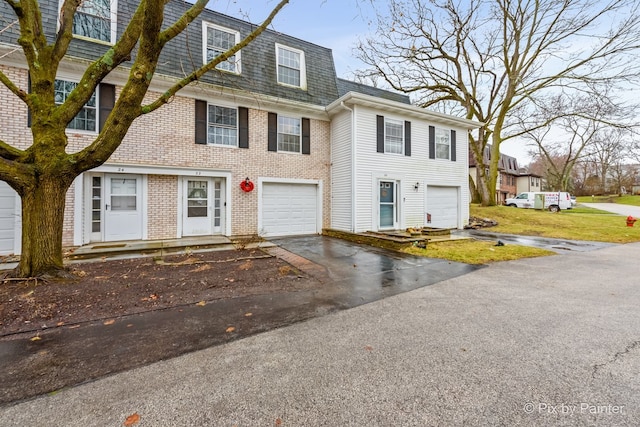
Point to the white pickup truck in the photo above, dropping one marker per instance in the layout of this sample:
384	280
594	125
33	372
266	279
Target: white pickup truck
552	200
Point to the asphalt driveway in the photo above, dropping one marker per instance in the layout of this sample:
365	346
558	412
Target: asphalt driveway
345	275
541	341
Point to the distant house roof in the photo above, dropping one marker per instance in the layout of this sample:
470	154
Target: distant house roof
346	86
507	164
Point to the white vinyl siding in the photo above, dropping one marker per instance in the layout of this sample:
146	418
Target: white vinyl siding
341	173
407	170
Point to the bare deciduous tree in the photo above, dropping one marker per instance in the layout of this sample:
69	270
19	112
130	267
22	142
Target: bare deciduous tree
42	173
488	59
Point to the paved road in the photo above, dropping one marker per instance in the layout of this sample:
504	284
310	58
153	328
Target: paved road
545	341
616	208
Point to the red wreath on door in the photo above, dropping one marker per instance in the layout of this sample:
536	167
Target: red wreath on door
246	185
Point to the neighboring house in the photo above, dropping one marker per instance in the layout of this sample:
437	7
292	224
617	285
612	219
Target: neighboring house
528	181
508	174
322	152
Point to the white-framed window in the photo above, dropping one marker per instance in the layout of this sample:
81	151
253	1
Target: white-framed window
87	117
291	66
222	126
289	134
216	41
443	144
96	19
393	136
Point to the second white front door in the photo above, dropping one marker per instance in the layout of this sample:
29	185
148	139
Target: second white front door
203	206
123	207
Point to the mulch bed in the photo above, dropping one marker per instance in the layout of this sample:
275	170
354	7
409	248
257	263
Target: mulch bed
108	289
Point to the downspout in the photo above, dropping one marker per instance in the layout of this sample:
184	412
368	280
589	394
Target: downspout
353	165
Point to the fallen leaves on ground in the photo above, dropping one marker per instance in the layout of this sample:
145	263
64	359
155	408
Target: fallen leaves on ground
230	329
109	322
246	265
132	419
201	304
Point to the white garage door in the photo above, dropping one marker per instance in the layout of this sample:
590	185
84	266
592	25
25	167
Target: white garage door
442	204
9	213
289	209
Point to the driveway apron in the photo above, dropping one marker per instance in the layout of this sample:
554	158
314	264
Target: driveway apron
350	275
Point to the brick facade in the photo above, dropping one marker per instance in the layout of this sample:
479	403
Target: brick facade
166	138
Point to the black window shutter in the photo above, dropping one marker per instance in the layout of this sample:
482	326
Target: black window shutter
432	142
407	138
453	145
380	133
107	100
201	122
272	133
306	136
243	127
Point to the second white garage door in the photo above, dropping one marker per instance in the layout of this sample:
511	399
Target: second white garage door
289	209
442	204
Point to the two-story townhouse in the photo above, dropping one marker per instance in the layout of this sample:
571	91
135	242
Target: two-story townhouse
271	117
395	165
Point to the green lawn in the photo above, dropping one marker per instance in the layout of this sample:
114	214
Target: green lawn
579	223
477	251
627	199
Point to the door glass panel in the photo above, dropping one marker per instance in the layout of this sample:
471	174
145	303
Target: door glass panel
387	204
96	204
217	197
123	194
197	199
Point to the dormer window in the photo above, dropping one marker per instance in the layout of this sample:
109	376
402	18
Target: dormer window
291	67
96	19
218	40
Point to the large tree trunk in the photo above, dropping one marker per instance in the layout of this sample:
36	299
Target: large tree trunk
42	225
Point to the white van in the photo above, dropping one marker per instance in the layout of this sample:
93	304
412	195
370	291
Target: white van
552	200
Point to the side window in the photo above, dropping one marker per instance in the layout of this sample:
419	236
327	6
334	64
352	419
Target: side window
393	136
222	128
443	145
96	19
219	125
289	134
217	40
86	119
291	66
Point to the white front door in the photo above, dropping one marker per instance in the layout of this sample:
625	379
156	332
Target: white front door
122	207
203	206
388	205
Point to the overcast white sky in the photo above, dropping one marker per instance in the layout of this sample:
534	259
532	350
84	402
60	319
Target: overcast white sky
335	24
